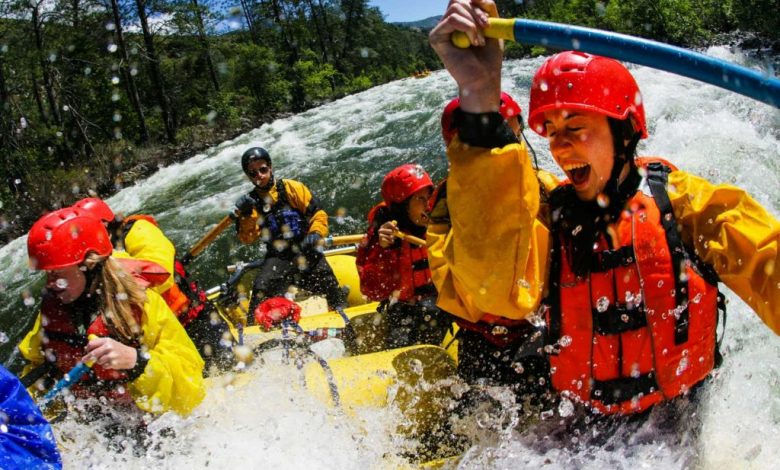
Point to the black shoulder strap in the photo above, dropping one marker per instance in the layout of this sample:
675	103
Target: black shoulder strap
553	300
281	192
657	179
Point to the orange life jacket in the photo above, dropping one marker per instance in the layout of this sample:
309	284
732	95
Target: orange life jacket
415	273
175	297
641	327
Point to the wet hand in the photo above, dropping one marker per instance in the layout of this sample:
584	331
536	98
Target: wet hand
245	204
313	241
385	232
111	354
477	69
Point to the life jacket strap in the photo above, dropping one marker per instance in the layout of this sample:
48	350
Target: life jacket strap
722	311
612	392
607	260
656	179
499	335
618	319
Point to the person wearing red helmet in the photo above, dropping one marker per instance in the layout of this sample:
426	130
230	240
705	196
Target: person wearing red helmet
139	236
395	272
142	354
618	265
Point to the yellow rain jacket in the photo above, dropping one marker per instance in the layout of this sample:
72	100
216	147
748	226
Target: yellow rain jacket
493	257
299	197
173	377
145	241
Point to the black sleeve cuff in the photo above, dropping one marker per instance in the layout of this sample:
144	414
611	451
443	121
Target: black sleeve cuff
488	130
140	365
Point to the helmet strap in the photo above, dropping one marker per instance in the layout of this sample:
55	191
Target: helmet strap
618	192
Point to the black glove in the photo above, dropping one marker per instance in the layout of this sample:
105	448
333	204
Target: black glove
245	204
311	242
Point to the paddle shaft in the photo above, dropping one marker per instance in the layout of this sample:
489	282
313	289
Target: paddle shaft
409	238
343	240
677	60
73	376
208	238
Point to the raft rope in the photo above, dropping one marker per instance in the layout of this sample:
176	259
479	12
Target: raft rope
287	343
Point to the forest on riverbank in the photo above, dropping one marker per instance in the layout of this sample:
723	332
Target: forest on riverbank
97	93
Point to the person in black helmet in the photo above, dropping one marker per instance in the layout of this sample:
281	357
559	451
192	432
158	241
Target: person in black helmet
286	216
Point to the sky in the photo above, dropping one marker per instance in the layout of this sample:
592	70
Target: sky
409	10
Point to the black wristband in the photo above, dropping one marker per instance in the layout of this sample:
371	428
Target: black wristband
141	359
488	130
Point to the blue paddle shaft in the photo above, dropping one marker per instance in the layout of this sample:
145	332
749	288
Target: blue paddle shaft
72	377
651	54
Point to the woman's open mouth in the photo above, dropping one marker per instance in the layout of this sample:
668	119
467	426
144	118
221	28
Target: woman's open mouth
578	173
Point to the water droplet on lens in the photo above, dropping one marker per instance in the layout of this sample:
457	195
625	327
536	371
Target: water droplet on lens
565	408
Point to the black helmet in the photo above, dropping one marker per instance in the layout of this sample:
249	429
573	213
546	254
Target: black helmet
252	154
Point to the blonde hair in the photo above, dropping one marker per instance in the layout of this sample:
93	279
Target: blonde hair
121	297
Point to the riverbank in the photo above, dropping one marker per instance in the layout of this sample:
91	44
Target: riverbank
115	166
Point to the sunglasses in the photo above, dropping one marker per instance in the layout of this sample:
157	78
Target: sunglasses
263	170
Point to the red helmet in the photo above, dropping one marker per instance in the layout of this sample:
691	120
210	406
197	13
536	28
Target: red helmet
509	108
96	208
576	80
404	181
64	237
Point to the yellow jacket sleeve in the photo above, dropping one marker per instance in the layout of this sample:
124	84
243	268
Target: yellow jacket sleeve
730	231
247	228
493	258
31	346
146	241
173	377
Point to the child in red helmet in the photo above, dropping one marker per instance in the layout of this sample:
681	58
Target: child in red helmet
142	354
394	271
616	268
139	236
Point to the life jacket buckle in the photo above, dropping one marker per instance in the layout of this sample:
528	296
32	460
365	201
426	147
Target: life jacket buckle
499	330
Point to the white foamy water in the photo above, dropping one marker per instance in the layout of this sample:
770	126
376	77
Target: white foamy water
342	150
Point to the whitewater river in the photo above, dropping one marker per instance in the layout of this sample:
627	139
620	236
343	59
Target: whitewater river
341	151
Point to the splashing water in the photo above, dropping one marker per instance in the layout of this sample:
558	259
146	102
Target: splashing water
342	151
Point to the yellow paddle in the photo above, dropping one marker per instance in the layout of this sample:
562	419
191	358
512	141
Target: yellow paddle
409	238
343	240
207	239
